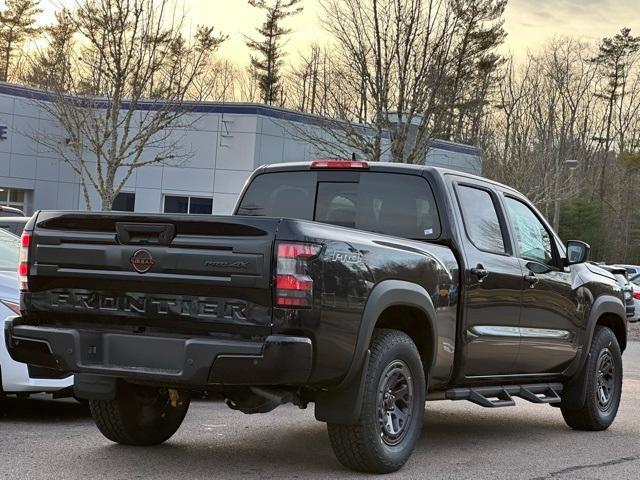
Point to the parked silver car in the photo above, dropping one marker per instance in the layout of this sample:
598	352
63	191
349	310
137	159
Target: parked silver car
15	377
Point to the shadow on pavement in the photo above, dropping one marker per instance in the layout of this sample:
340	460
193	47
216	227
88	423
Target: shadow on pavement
261	450
230	446
41	409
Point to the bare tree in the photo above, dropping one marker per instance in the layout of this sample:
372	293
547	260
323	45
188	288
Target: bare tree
385	80
128	102
541	112
50	69
305	80
220	81
550	109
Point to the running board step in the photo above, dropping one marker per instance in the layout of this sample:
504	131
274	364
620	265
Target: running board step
502	396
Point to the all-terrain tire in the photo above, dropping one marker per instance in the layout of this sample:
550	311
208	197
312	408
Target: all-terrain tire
140	415
603	377
370	445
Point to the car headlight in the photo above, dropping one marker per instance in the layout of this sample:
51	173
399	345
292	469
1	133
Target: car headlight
13	306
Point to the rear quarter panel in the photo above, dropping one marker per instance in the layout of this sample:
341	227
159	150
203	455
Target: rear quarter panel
349	266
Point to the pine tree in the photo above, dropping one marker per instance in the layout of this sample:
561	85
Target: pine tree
51	69
479	25
17	25
614	59
268	60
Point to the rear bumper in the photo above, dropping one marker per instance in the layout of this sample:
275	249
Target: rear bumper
187	361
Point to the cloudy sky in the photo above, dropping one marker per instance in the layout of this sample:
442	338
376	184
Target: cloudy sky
528	22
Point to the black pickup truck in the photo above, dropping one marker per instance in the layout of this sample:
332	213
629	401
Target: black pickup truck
366	289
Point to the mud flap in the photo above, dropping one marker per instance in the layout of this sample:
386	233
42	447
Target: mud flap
343	406
574	394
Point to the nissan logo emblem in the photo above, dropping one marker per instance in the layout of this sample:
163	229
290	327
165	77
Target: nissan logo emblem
142	260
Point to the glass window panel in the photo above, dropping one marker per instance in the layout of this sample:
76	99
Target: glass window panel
16	196
392	204
9	250
124	202
281	194
176	204
201	206
481	219
534	240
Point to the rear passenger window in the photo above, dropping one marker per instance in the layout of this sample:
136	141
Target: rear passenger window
481	219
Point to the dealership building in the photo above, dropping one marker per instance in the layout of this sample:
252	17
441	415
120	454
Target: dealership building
226	141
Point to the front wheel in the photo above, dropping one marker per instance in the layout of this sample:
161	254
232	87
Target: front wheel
392	410
603	378
140	415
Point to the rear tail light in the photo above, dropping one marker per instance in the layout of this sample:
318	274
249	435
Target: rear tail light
23	265
294	286
636	295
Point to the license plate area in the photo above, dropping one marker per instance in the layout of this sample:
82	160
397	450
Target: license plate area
154	353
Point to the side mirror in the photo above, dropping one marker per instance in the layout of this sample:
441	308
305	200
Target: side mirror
577	252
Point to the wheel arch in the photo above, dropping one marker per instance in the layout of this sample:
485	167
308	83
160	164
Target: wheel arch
607	311
617	325
389	301
414	322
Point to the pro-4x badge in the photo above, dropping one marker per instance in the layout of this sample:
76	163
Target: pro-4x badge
142	260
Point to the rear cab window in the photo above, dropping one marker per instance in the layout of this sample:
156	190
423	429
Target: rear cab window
401	205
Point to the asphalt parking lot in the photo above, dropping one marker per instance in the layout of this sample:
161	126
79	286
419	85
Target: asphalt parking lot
40	438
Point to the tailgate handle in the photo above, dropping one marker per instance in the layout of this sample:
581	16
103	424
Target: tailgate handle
145	233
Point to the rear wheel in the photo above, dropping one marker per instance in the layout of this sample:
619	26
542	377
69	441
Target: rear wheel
603	378
393	408
140	415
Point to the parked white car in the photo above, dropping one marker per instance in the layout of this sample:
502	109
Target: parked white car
635	281
632	270
15	377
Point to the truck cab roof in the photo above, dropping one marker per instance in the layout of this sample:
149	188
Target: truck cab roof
382	167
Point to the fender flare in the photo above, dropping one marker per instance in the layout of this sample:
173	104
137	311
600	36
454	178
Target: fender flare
343	403
575	391
390	293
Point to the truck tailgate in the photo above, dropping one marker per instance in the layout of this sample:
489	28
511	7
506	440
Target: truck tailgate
152	270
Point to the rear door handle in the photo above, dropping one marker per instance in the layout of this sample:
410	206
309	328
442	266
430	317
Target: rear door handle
479	272
532	279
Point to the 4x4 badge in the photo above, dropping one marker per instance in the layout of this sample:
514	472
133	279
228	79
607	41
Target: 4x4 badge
142	260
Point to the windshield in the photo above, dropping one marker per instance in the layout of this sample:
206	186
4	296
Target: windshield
635	279
9	251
